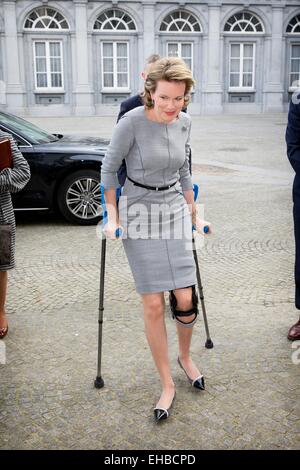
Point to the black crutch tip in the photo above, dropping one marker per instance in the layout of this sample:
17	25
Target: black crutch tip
99	382
209	344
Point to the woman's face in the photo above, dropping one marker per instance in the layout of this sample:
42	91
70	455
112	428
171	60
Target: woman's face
168	100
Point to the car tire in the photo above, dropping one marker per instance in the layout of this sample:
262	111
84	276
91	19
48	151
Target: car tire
79	197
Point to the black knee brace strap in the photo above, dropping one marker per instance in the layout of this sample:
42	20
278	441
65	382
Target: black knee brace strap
180	313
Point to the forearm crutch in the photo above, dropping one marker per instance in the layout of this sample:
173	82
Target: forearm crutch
208	343
99	382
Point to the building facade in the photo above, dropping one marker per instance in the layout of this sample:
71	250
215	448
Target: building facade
83	57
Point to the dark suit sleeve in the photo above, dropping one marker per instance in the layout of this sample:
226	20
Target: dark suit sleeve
122	111
292	136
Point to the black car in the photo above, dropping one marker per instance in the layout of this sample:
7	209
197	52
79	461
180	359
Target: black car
65	171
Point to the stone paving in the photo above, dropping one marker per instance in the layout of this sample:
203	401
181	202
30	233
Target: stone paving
48	400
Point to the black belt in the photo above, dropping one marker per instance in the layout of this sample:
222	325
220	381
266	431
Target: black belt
153	188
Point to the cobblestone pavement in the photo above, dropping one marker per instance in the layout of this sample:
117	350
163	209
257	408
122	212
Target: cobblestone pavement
48	400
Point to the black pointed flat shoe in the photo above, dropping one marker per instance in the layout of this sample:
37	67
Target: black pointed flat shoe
160	413
163	413
196	383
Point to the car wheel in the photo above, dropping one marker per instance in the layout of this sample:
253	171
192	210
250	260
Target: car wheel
79	197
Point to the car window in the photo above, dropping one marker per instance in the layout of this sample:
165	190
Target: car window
29	131
19	141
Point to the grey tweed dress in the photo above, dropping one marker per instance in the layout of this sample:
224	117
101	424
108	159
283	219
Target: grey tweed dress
157	224
12	180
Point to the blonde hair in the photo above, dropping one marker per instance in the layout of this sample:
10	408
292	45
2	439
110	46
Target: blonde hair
170	69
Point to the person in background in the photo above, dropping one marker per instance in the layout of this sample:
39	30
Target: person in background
292	138
12	180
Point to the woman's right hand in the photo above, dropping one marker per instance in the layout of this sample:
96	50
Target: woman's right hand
110	230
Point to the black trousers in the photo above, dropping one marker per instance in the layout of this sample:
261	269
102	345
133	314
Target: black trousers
296	214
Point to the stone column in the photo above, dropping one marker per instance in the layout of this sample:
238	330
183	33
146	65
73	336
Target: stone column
149	24
83	93
212	89
273	88
14	87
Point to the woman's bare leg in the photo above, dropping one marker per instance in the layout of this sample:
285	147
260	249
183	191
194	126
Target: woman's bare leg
3	290
184	303
156	334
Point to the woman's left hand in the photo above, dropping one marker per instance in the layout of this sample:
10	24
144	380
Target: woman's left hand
202	226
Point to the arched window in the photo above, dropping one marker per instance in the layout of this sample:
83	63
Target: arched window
294	67
115	53
47	53
46	18
115	20
180	22
294	25
243	23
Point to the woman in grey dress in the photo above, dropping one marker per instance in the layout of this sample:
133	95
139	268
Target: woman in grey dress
12	180
156	211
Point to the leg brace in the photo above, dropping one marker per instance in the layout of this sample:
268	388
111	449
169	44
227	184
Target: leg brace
180	313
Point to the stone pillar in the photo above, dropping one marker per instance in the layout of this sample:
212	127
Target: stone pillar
137	82
273	88
83	93
14	88
212	99
149	24
146	39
